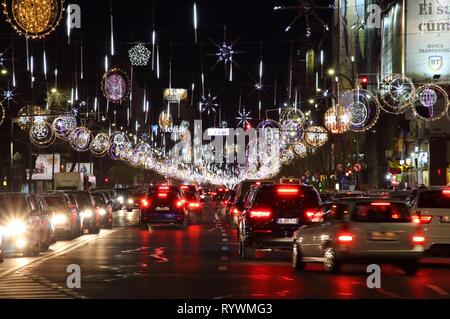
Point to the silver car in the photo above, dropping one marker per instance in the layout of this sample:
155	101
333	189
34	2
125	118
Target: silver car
360	230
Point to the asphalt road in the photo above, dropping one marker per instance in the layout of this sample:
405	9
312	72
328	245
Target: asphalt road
198	262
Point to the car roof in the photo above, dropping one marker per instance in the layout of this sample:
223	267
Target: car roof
348	200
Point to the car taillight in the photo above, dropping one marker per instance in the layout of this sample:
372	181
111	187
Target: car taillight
180	203
345	238
310	214
380	204
194	205
446	192
422	219
145	203
162	195
418	239
260	214
235	211
164	188
287	191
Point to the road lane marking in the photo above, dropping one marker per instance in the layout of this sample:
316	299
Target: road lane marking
224	258
224	234
438	290
216	216
225	240
223	268
387	293
224	248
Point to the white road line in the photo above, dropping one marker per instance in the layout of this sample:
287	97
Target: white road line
223	268
224	258
216	216
224	248
224	234
224	240
438	290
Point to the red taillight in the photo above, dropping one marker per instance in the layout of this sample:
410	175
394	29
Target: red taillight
235	212
422	219
194	205
184	187
145	203
446	192
164	188
288	191
380	204
418	239
162	195
260	214
180	203
310	214
214	193
345	238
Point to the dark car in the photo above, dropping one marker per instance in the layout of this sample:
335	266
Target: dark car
89	215
48	236
133	200
227	202
271	215
194	202
360	230
66	220
104	208
20	224
166	206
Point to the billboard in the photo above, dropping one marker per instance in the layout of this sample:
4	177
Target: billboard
85	168
428	39
44	167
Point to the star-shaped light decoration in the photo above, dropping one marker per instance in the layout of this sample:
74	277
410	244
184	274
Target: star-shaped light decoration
8	95
209	104
244	118
145	137
306	9
225	55
223	124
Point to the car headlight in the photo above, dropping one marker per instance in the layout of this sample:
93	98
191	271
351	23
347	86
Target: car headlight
13	228
120	199
102	211
87	213
59	219
130	201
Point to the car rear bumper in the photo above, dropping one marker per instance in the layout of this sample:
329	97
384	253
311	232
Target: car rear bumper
262	240
157	219
383	256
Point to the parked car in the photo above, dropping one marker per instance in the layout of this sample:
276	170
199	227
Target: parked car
66	220
360	230
104	208
431	208
165	207
20	224
89	215
271	215
48	236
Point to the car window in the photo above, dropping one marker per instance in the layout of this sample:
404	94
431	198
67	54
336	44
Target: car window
333	212
433	199
55	203
381	213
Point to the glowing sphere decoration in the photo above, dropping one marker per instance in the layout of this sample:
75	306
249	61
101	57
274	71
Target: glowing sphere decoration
33	18
432	103
270	130
115	150
42	135
80	139
292	131
363	108
165	121
293	114
397	94
287	156
139	55
115	85
29	115
63	125
337	119
316	136
100	145
300	150
118	138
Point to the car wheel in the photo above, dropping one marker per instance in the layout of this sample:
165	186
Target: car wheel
330	263
297	263
411	268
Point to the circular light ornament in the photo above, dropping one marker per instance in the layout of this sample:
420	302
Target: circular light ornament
270	131
139	55
63	125
287	156
29	115
397	94
165	121
292	114
432	103
337	119
115	85
118	138
316	136
300	150
291	131
115	150
33	18
42	135
100	145
363	108
80	139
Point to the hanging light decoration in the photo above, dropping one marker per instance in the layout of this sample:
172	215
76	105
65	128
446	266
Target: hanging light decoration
115	85
165	121
63	125
397	94
287	156
300	150
80	139
291	131
363	108
42	135
118	137
100	145
316	136
29	115
139	55
337	119
292	114
33	18
432	103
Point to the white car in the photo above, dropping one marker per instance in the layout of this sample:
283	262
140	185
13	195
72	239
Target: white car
431	208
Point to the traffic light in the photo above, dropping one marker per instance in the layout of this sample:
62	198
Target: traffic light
106	180
363	82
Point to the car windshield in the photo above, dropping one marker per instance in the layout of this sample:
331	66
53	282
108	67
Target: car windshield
55	203
378	212
434	199
99	199
83	200
13	204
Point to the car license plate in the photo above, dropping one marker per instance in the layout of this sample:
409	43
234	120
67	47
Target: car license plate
162	208
169	215
445	219
287	221
379	236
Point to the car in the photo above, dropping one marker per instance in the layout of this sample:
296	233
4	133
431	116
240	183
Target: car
165	207
20	224
89	215
66	220
218	193
360	230
104	208
271	215
133	200
431	208
194	202
48	236
344	194
227	203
